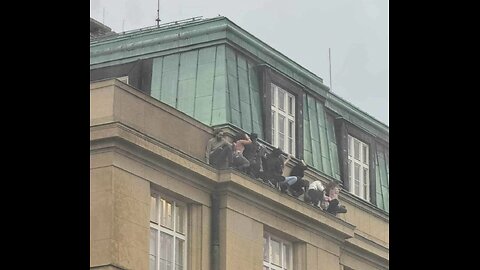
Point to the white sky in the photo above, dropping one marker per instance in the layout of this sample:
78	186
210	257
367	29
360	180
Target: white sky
303	30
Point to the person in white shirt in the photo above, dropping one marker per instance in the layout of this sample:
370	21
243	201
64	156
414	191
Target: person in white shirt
315	193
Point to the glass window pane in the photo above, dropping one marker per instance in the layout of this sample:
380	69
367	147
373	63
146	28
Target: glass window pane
273	129
356	172
286	256
153	209
357	188
365	154
166	251
281	100
290	128
275	252
166	215
272	93
350	149
290	146
153	248
265	248
365	181
179	251
281	124
180	216
290	105
349	170
356	149
281	132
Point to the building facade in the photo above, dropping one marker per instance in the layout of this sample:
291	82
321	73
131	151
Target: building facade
155	97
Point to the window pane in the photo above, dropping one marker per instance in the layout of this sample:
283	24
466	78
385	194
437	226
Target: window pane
272	93
179	250
275	253
357	188
166	215
290	128
281	131
281	100
265	248
290	146
365	181
290	105
180	216
365	154
356	149
153	248
286	256
274	135
356	172
350	149
349	170
166	251
153	209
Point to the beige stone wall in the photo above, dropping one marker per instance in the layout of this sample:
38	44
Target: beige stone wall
152	117
373	226
125	165
119	218
243	247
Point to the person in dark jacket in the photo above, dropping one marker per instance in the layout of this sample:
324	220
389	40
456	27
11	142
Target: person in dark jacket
300	186
273	168
254	153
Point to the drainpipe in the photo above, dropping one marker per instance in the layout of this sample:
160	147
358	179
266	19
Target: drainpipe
215	231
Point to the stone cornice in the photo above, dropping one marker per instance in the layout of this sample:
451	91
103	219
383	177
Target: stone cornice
364	252
260	195
118	137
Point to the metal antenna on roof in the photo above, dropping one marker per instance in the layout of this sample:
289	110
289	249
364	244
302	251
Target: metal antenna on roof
158	14
123	25
330	64
103	19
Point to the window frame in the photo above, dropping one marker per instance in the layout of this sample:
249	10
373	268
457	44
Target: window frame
172	232
364	184
344	128
283	243
268	76
287	114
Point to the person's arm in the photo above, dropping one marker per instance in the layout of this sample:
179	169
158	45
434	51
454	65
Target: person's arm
246	141
286	161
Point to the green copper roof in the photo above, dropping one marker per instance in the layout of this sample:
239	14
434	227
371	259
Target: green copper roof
174	39
208	69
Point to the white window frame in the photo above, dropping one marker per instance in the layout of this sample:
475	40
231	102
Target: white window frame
363	163
288	115
172	232
283	260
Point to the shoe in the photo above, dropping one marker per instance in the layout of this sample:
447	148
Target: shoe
268	183
342	209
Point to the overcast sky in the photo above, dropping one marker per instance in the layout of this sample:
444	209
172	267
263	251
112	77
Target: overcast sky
303	30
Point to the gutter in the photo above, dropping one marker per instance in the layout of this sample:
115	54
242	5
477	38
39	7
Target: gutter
215	248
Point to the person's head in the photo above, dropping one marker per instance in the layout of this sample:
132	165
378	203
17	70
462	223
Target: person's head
218	133
239	136
332	186
276	152
253	136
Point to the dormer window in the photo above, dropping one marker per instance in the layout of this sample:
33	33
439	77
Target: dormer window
283	119
358	167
